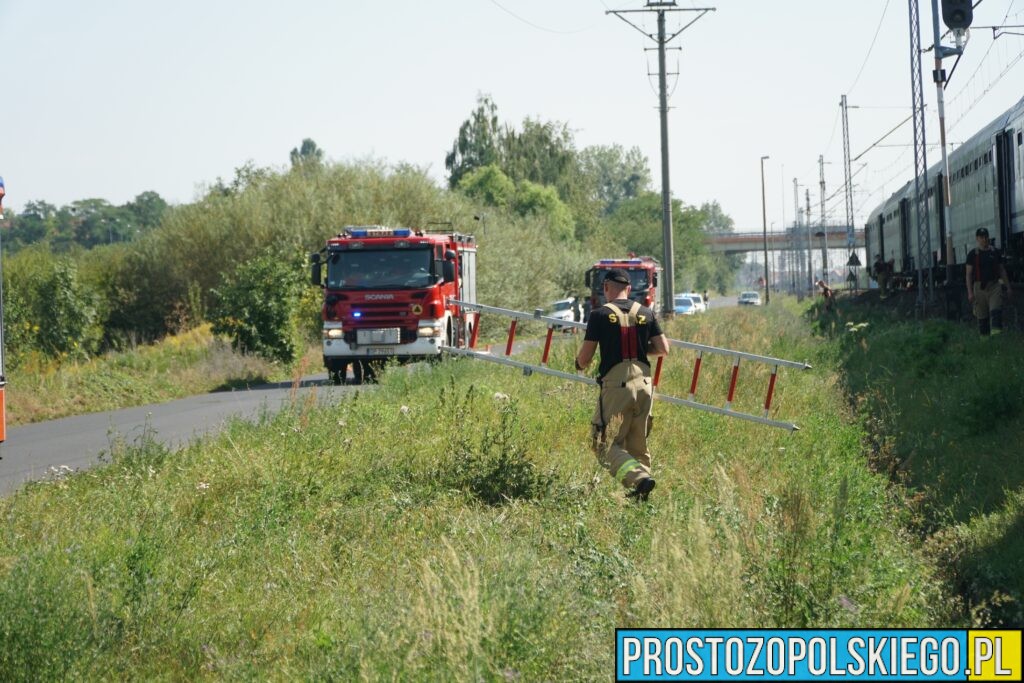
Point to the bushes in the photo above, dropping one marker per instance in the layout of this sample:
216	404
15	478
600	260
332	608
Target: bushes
255	307
48	308
165	281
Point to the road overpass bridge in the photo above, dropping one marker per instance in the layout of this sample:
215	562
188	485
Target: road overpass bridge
743	242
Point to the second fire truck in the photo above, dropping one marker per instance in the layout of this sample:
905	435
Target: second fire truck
643	274
387	294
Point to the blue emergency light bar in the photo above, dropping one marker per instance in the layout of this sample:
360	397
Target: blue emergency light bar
380	232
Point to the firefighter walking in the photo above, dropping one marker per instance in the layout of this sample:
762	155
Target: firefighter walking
627	334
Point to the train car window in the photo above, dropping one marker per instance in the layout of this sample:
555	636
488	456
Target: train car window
1020	139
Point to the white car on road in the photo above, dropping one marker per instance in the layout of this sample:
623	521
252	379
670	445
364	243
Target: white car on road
749	299
699	304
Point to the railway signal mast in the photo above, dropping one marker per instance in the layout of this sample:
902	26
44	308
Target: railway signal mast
957	15
661	39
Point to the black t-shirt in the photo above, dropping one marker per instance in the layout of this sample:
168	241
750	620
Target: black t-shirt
606	333
985	263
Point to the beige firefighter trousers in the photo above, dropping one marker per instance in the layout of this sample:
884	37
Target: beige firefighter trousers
622	422
987	299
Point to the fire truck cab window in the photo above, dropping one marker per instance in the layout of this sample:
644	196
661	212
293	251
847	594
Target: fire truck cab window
379	269
638	280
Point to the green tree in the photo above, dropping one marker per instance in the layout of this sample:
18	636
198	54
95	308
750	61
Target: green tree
96	221
538	200
542	152
308	155
614	174
637	222
148	208
714	221
478	143
489	185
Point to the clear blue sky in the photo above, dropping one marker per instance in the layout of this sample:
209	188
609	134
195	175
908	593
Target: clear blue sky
114	97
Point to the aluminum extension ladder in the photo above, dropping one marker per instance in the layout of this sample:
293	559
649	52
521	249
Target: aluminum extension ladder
689	402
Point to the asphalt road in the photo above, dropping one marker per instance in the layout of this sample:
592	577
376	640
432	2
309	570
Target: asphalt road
722	302
77	442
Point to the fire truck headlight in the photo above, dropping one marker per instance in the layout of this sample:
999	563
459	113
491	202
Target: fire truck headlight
430	331
334	333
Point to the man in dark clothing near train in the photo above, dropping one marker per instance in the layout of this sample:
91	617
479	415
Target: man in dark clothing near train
987	284
882	270
627	334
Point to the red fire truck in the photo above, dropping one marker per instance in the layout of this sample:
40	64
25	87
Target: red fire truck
643	271
387	295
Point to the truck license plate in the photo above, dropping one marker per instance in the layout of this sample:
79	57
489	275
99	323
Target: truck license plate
389	335
381	350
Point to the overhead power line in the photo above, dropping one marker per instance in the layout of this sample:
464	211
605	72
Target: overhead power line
870	48
515	16
891	131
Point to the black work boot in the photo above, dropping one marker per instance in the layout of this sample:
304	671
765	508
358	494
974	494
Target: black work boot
997	321
642	489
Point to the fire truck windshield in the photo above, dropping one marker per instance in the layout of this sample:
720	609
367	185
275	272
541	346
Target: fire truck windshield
379	269
638	279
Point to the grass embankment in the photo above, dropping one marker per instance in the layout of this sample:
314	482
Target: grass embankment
453	525
190	363
944	408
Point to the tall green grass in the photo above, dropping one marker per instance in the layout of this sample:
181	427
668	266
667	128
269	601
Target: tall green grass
453	525
943	408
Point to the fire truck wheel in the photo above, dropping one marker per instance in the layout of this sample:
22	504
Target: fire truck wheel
357	372
452	338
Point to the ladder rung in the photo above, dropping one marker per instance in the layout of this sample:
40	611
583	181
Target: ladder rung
696	375
732	382
771	390
511	337
547	346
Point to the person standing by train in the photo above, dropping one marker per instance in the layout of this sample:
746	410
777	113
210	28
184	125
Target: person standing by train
828	296
881	273
627	334
987	284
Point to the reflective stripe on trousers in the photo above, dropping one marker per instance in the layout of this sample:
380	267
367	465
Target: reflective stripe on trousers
621	422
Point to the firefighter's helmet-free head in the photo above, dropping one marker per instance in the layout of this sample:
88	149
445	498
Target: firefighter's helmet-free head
617	275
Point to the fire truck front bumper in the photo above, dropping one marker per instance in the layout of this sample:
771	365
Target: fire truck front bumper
343	347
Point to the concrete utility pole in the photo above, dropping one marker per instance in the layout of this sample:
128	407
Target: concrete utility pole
810	244
824	229
798	253
660	8
851	239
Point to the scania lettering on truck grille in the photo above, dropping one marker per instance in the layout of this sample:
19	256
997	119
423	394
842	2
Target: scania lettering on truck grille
387	293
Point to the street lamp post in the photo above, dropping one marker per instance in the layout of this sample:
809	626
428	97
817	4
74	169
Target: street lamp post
764	226
824	253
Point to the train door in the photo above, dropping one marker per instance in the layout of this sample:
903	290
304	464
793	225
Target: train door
1004	186
881	236
907	263
940	206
